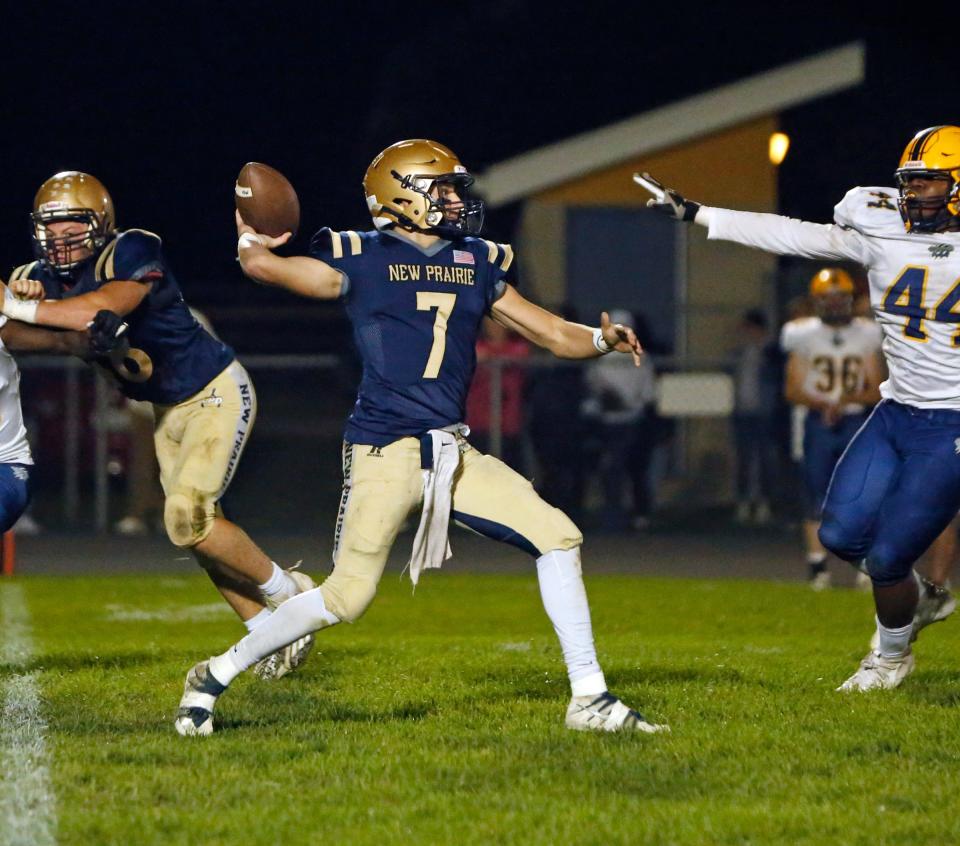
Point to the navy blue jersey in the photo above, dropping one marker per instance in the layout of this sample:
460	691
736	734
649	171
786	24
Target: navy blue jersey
416	314
171	355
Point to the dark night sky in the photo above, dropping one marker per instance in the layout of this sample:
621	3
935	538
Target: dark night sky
165	107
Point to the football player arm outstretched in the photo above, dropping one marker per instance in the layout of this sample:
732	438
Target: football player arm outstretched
119	296
21	337
308	277
771	232
561	337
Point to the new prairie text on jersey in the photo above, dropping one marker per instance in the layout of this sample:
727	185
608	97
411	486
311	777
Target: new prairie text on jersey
431	273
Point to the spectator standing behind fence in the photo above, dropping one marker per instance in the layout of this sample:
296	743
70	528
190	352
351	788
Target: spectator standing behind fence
619	399
756	377
498	347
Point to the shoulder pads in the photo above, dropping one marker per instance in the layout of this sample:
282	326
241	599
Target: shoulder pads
499	255
872	211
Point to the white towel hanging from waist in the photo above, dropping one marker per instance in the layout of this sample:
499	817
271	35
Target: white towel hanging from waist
431	546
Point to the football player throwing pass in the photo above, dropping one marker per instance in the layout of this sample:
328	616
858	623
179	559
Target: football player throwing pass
897	485
416	288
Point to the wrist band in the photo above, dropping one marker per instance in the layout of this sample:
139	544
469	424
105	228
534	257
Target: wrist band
22	310
248	239
600	342
690	210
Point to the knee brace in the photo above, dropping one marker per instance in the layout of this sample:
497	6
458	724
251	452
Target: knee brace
348	595
188	517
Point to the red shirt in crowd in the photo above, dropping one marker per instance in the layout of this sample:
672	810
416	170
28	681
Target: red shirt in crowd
513	379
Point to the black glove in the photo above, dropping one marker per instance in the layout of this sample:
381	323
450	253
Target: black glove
106	332
666	200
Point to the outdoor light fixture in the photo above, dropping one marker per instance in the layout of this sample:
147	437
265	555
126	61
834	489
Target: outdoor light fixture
779	144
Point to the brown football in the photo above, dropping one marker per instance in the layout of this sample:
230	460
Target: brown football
266	200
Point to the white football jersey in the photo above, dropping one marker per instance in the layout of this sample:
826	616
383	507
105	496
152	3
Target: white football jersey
14	448
914	283
836	355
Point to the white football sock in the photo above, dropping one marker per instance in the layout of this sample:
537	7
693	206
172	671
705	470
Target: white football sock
894	642
565	601
257	619
298	616
279	586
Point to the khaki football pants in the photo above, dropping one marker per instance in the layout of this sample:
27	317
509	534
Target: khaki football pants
199	442
382	486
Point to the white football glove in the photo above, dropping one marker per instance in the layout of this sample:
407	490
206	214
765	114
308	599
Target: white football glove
666	200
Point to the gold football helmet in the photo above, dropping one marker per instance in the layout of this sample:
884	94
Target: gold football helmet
932	153
400	189
832	291
71	196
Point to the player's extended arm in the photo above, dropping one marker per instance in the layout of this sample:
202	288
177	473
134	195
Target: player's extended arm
302	275
561	337
120	296
21	337
771	232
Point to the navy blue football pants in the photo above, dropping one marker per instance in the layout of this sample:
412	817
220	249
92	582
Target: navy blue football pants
14	493
895	489
822	447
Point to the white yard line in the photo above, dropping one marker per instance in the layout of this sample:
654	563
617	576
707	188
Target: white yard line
27	806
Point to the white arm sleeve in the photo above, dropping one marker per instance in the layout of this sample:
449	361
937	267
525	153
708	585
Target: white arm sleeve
786	235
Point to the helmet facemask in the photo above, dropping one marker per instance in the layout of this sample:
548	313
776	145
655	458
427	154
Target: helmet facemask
933	154
420	185
834	308
444	216
928	214
832	290
65	254
74	201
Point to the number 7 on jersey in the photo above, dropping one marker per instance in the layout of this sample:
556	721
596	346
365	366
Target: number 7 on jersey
443	303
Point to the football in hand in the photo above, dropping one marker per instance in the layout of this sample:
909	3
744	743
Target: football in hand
266	200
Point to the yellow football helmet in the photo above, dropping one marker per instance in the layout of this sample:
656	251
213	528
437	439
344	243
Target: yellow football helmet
832	291
71	195
932	153
399	187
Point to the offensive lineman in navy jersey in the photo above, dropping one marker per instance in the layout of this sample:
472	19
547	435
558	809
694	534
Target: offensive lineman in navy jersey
203	399
416	289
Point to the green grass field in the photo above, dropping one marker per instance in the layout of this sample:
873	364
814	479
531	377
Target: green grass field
437	719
